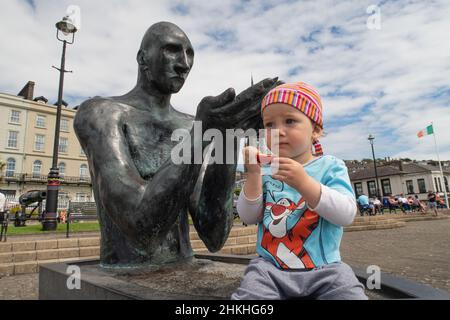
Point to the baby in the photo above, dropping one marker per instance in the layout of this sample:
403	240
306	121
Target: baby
300	210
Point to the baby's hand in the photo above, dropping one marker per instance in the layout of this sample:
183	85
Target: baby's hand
250	155
289	171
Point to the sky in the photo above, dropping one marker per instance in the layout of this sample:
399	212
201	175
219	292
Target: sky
382	68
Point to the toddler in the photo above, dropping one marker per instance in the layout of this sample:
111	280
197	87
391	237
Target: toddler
300	210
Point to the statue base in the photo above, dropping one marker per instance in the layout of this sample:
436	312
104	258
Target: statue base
206	277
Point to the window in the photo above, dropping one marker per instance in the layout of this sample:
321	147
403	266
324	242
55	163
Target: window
84	172
422	186
439	184
37	167
14	117
372	188
358	189
446	184
39	142
82	197
10	167
12	139
386	186
64	125
63	200
40	121
436	184
410	186
63	145
62	169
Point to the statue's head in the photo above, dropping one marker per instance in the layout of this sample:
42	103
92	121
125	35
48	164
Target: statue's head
165	58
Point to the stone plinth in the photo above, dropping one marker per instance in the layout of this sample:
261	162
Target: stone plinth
197	279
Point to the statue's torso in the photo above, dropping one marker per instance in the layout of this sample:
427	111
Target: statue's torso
149	138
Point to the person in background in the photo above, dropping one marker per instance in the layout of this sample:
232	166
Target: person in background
393	203
3	217
432	202
2	202
364	204
377	206
440	204
63	216
419	205
403	202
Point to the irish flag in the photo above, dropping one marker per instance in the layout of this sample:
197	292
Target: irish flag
425	132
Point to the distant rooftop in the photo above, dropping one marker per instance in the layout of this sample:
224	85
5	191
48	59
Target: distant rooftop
394	168
27	93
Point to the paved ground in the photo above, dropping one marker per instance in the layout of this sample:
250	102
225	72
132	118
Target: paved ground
420	251
23	287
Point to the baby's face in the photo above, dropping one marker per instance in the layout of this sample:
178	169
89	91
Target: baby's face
296	131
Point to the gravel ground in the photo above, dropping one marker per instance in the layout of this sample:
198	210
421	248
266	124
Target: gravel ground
420	251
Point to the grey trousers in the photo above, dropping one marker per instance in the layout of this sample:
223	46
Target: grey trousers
262	280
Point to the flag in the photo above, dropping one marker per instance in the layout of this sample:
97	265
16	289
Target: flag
427	131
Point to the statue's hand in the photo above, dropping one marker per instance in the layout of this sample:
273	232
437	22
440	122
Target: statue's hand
226	111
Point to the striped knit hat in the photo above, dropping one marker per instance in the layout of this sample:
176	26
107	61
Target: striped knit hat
301	96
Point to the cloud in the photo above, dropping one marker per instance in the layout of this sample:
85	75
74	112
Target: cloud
391	82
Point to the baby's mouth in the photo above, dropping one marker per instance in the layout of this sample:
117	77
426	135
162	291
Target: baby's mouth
283	144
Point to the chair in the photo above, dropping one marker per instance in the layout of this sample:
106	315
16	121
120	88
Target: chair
388	205
364	209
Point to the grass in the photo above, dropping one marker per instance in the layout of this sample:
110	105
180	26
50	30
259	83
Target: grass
74	228
37	228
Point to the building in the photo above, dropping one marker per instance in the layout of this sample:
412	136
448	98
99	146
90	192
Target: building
397	177
27	128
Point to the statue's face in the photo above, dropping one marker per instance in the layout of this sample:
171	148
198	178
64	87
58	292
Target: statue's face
169	61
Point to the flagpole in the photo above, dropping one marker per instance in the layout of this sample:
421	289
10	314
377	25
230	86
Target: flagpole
440	166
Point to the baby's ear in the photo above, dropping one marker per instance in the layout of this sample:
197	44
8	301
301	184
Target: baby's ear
317	132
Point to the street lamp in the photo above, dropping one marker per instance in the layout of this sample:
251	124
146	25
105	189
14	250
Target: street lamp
371	138
67	27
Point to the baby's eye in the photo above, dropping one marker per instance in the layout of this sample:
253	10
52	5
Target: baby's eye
290	121
268	125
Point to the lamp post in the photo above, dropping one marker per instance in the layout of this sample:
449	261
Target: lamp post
49	221
371	138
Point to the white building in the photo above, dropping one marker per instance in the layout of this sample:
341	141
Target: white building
397	178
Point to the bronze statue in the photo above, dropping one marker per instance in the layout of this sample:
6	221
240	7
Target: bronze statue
143	198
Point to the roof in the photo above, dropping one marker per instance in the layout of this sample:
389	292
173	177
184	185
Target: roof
392	170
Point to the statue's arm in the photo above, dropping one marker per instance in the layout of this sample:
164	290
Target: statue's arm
137	206
211	204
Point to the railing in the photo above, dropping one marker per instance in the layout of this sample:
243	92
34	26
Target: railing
12	177
80	211
27	177
63	204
